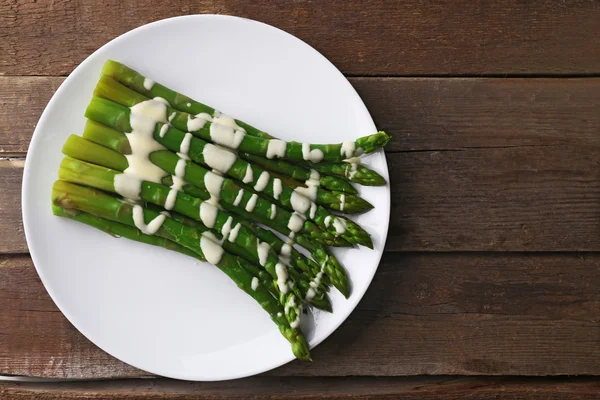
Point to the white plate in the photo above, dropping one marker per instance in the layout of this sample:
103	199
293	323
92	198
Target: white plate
160	311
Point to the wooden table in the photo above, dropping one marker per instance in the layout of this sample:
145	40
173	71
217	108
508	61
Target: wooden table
490	284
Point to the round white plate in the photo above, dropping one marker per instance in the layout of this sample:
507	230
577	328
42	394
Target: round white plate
160	311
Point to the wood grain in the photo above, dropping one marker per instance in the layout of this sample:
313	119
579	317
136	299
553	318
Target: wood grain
421	388
12	236
361	38
22	101
430	313
419	113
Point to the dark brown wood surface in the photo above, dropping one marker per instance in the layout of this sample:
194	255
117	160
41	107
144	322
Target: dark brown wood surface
417	388
361	37
492	264
427	313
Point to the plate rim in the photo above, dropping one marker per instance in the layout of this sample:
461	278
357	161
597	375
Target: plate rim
36	137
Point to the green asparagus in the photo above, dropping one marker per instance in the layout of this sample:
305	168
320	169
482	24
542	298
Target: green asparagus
71	196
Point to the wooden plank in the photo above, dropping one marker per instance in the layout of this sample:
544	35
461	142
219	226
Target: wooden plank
465	113
430	313
12	236
541	198
419	113
22	101
421	388
378	38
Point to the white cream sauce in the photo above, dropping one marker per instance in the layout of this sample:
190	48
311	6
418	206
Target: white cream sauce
276	148
328	221
213	252
299	203
351	170
184	146
296	222
313	210
173	114
238	198
128	186
254	283
234	232
347	150
152	227
282	277
263	251
226	228
251	203
148	83
314	155
163	130
208	214
223	119
342	202
262	182
198	121
219	159
277	188
339	225
155	109
226	136
273	211
142	144
213	183
172	196
249	175
180	168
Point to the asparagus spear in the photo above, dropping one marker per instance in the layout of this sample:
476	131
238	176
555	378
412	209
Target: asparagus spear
70	196
118	116
86	150
301	173
224	130
105	111
235	237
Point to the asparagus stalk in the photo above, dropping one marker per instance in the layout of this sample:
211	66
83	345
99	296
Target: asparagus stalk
118	116
219	127
86	150
243	242
300	173
74	197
